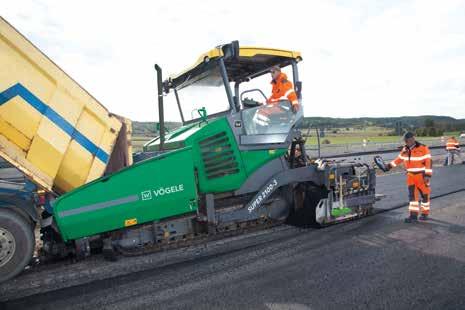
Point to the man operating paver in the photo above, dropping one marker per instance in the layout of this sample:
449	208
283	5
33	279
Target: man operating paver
282	89
274	112
416	158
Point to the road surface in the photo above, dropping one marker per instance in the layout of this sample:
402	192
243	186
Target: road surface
375	263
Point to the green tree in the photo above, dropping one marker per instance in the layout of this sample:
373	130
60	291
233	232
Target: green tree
429	123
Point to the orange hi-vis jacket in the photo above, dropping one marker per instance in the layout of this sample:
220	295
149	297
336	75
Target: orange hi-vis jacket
416	159
282	90
452	144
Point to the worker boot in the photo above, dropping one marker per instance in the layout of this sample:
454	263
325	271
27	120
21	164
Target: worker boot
413	218
424	217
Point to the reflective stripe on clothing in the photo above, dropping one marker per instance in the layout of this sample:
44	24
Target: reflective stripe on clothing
428	172
413	206
416	169
419	158
290	91
425	208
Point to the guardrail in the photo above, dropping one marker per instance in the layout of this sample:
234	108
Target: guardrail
334	153
379	151
367	146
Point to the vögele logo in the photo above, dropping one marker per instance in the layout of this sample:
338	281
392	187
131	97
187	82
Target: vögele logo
147	195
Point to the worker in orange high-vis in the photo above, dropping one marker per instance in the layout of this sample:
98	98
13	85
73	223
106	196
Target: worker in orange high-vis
282	89
416	158
453	150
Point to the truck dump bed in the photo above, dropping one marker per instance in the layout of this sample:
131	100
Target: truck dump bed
51	129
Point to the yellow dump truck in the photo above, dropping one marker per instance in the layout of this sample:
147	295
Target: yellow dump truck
54	137
51	129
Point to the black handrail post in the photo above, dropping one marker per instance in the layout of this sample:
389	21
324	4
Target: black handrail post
161	115
224	75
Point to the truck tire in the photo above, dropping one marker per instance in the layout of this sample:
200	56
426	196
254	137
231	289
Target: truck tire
16	243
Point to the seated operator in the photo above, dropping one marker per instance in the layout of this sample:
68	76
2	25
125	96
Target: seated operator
282	89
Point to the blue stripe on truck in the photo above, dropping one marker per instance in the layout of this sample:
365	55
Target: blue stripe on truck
19	90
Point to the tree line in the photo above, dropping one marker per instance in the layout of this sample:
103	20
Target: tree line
428	125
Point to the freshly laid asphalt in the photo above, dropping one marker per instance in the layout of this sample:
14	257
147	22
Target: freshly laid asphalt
377	262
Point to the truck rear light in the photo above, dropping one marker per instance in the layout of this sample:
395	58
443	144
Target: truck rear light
41	199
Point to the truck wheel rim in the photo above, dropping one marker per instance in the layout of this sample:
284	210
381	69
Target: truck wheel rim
7	246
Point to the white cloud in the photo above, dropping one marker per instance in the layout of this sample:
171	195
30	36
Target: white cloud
361	58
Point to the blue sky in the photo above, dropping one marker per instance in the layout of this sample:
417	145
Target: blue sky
361	58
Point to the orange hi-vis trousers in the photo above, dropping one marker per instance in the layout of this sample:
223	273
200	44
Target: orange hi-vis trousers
417	187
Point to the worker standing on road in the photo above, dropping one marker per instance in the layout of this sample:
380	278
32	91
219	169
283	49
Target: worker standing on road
453	149
282	89
416	158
